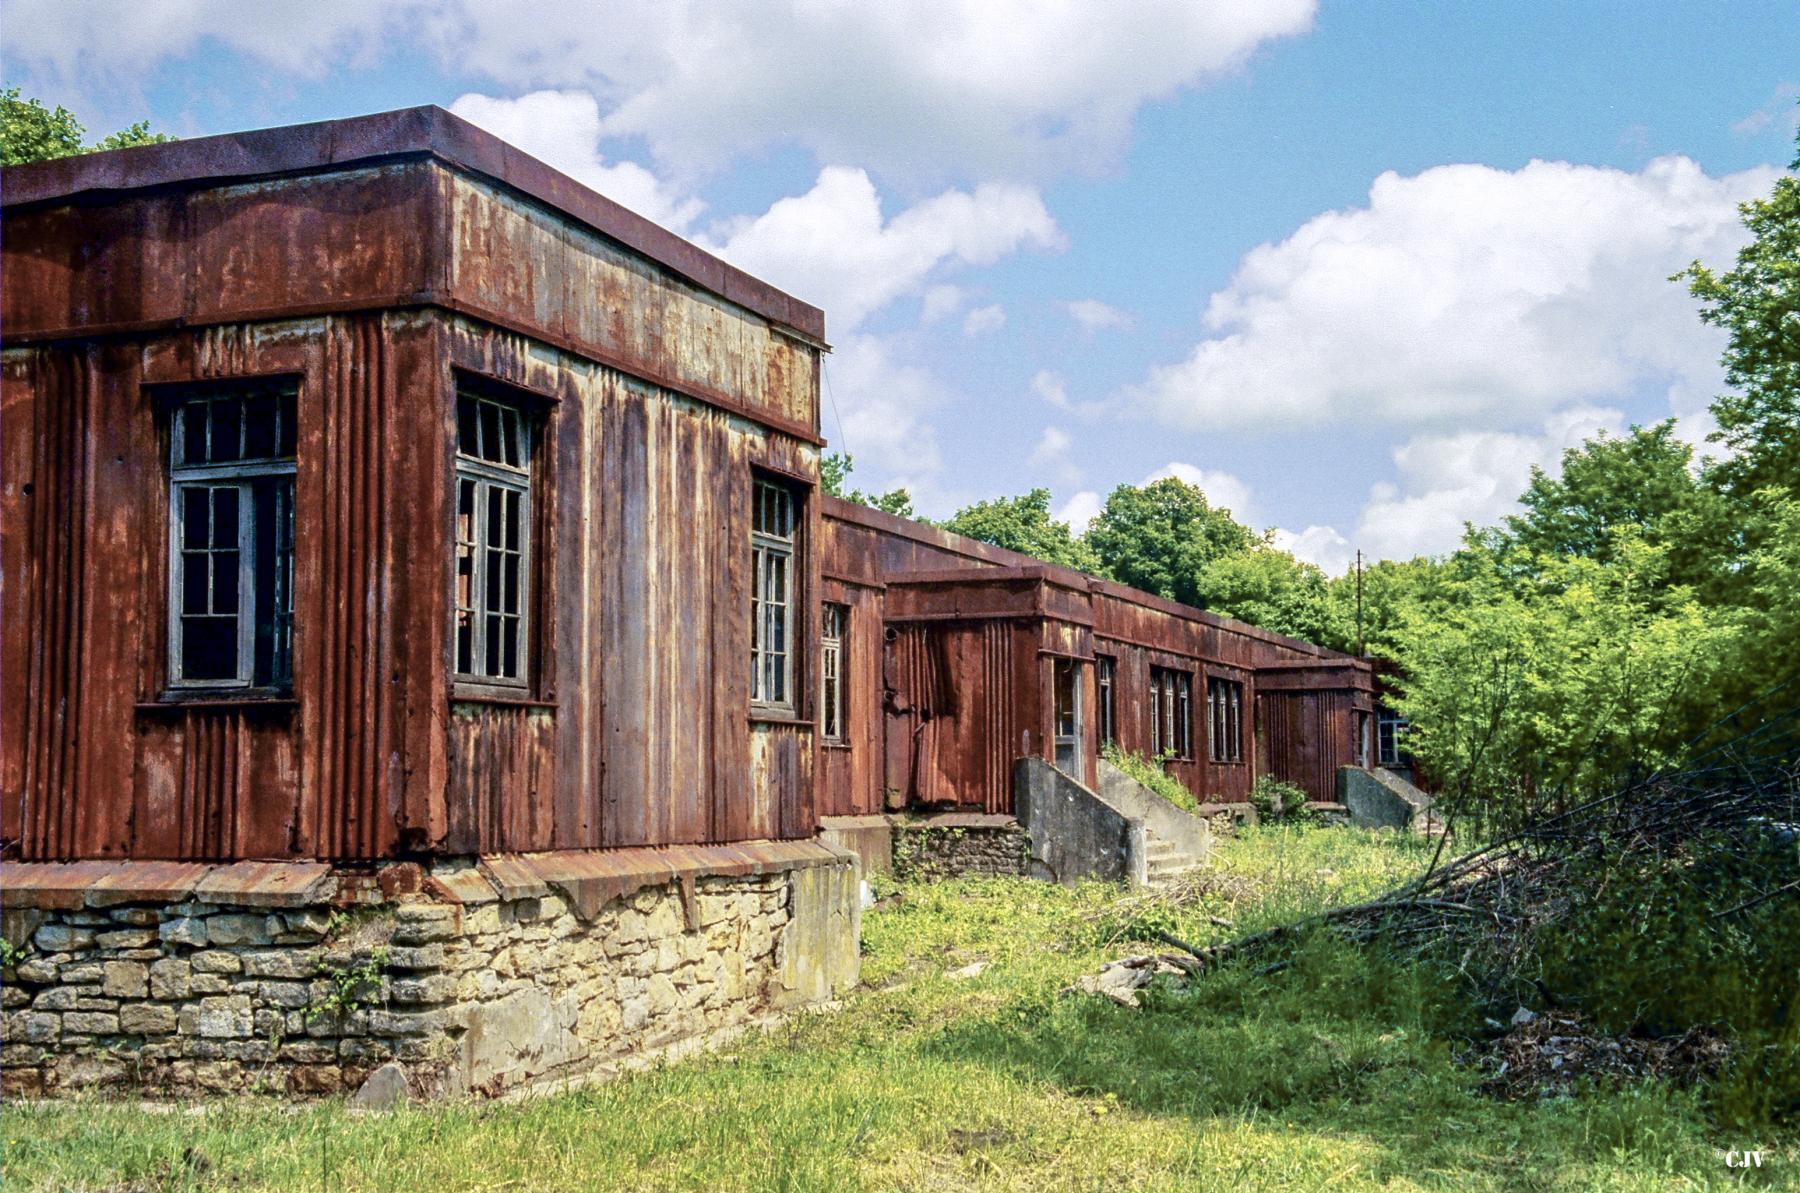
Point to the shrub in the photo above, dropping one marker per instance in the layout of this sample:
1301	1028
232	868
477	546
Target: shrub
1276	800
1150	773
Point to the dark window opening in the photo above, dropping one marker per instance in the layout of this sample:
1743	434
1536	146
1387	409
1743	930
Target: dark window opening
231	538
1390	739
835	626
1105	670
1171	713
1225	716
772	535
493	549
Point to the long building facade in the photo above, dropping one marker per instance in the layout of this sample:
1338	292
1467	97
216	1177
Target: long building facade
385	516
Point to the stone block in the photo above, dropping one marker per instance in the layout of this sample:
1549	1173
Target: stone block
93	1023
186	929
125	938
280	963
80	973
33	1027
216	961
220	1017
37	970
285	994
62	938
147	1019
209	983
126	979
240	929
170	979
138	917
62	998
429	956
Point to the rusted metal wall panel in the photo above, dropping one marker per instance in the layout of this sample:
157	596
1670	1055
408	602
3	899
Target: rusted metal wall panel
1307	736
97	764
850	775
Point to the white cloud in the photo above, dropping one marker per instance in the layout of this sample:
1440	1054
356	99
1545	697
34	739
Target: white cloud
1052	447
1222	489
832	247
563	129
999	87
885	406
1469	476
1051	388
1463	294
1321	546
1782	111
71	38
1094	315
940	302
1079	510
982	320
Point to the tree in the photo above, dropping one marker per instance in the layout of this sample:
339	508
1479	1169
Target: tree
1643	481
1757	302
1160	537
1024	524
30	132
1268	587
835	469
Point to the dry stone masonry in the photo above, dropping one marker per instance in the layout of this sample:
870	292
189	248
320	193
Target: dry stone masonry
481	979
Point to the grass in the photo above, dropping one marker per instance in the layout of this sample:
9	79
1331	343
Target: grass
1335	1073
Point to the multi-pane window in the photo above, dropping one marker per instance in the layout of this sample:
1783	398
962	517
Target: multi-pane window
834	628
1105	671
1390	734
1225	715
231	538
1171	713
771	595
493	540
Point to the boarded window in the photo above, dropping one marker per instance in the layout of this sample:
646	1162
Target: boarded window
834	631
231	538
1105	670
1225	715
493	540
771	595
1171	713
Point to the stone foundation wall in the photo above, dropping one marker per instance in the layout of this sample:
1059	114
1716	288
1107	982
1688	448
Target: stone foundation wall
481	982
959	845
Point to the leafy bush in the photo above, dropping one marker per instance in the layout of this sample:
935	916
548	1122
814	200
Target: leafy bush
1276	800
1150	773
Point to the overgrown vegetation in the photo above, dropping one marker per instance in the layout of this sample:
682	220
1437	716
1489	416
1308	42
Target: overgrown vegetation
1339	1071
1274	799
1149	772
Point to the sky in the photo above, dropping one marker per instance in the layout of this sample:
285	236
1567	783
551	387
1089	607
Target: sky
1352	268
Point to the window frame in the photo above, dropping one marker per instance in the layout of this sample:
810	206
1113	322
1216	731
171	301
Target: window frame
256	677
1106	678
766	547
1225	720
1175	706
518	419
834	713
1391	728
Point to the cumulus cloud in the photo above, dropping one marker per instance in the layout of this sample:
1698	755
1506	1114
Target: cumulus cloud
1467	293
1051	388
563	129
1468	476
1080	509
940	302
997	87
982	320
1320	546
1781	113
886	406
832	247
1094	315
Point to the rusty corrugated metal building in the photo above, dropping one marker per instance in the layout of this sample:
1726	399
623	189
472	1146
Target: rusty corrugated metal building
371	489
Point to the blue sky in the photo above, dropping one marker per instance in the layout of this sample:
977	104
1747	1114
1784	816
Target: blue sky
1353	268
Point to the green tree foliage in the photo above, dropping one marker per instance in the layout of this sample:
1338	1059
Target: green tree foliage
30	132
1024	524
1757	302
1268	587
834	473
1160	537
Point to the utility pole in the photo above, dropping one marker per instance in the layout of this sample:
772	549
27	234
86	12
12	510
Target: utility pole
1361	647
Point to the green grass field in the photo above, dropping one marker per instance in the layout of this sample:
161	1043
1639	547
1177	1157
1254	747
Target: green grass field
1331	1074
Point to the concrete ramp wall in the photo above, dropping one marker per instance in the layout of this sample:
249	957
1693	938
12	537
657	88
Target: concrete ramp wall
1379	798
1075	834
1188	833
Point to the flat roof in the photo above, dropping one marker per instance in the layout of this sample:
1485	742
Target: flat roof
407	132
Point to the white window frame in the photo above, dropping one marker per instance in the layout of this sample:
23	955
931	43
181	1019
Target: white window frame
773	538
511	479
1106	675
1172	713
1225	719
834	632
242	476
1390	731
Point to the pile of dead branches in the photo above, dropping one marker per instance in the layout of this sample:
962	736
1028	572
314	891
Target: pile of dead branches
1486	905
